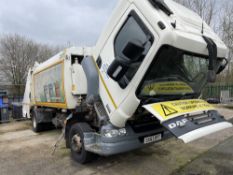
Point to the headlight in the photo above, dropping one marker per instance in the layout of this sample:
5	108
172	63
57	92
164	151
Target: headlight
122	131
115	132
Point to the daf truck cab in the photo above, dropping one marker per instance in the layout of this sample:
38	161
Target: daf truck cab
142	81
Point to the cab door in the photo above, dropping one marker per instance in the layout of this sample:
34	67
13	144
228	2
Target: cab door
132	27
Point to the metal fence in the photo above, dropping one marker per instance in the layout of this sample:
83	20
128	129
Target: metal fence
11	97
214	91
15	92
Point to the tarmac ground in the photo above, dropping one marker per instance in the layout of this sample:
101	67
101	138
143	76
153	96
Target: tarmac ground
24	152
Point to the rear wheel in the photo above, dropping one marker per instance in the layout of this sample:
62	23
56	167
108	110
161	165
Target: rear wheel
76	143
36	126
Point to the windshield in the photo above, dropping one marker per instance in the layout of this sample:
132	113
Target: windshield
175	73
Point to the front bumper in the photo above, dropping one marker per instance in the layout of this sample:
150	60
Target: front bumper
104	146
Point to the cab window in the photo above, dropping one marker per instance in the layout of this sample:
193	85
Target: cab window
133	30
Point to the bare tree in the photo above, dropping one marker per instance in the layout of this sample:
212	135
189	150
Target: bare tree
207	9
18	53
226	32
46	51
220	17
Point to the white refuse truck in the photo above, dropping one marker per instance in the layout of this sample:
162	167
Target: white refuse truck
140	83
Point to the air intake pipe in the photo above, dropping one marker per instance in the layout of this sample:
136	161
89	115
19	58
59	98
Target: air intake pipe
90	69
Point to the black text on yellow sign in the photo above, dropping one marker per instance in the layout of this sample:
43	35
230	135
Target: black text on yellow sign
173	87
170	109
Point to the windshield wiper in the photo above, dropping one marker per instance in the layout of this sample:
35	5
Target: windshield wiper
146	99
162	97
190	95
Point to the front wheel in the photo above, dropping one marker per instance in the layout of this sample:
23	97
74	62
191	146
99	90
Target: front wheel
76	142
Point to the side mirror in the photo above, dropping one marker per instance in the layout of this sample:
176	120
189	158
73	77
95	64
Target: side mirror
223	66
131	53
117	70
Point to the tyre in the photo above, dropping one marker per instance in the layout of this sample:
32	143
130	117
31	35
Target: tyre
67	143
36	127
76	143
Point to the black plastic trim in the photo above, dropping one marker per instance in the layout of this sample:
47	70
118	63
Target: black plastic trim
160	4
212	48
161	25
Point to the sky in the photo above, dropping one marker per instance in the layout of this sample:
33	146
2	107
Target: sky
56	22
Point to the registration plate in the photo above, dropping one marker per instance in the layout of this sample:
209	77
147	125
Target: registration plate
152	139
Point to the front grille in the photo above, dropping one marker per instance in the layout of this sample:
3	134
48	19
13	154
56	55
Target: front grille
201	119
145	126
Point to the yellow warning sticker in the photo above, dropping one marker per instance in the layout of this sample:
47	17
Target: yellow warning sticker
171	109
173	87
